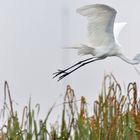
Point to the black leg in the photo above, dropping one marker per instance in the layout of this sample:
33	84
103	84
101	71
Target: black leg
65	71
83	64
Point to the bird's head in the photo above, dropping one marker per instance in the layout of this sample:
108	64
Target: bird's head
137	58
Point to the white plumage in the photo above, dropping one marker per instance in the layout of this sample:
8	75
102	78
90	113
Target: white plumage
103	37
117	29
100	23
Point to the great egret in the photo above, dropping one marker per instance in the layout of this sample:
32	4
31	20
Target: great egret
103	38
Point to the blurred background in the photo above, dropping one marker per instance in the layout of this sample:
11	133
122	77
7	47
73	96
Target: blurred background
32	35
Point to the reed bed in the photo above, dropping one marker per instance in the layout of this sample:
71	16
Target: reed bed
115	116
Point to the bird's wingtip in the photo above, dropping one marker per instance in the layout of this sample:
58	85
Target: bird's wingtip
86	10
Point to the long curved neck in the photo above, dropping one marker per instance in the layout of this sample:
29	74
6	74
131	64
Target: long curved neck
127	60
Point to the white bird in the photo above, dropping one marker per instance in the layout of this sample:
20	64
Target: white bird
103	38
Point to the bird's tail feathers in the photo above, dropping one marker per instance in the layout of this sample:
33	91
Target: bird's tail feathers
82	49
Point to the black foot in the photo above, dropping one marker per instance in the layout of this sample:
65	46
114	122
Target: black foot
58	73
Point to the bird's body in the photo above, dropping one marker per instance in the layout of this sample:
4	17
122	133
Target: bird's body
103	37
102	32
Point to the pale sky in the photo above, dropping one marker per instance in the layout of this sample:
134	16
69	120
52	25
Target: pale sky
32	35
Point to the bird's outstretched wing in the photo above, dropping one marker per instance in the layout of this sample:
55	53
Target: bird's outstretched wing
100	23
